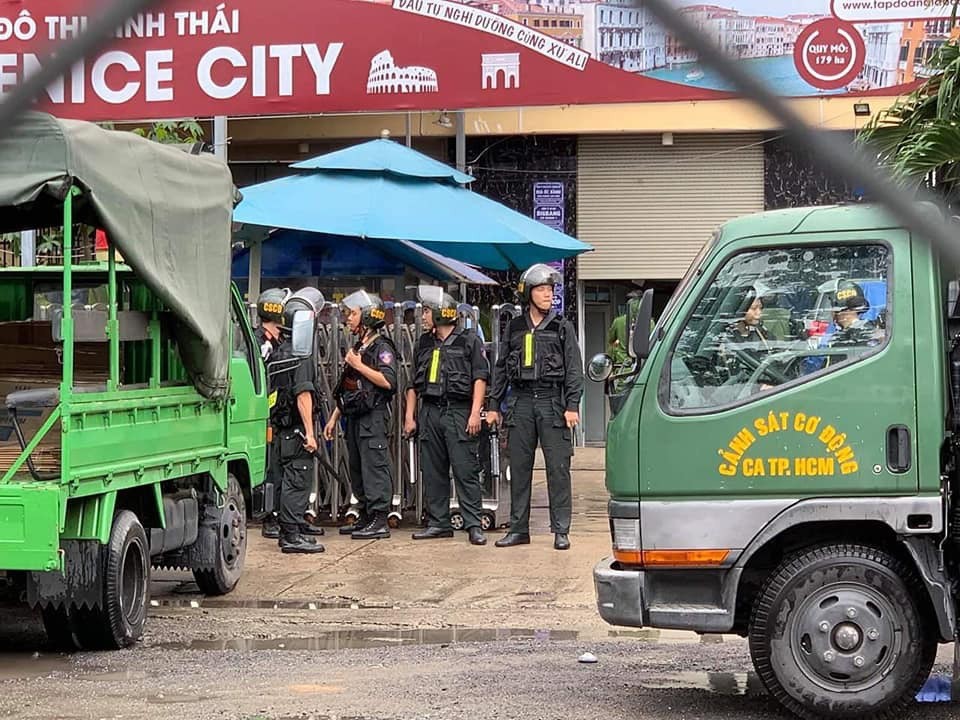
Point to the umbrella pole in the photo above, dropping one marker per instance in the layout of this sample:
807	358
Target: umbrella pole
460	124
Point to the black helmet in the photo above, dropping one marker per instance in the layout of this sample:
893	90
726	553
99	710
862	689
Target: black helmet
309	298
373	315
534	276
442	306
849	296
270	304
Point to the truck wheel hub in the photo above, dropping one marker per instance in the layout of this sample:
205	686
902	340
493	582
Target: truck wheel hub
232	533
843	637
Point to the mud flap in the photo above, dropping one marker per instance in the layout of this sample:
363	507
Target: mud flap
80	583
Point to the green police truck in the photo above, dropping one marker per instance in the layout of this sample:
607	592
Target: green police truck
784	465
133	429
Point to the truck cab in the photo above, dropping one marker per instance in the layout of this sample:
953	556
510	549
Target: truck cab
783	464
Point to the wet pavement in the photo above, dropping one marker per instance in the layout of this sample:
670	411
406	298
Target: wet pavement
395	630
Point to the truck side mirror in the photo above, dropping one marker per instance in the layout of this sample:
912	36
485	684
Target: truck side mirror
600	367
301	334
640	335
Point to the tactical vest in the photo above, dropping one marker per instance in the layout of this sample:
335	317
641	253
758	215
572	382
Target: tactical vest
355	395
283	404
447	370
536	355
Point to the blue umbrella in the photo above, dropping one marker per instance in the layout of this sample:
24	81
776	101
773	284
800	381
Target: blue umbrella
383	190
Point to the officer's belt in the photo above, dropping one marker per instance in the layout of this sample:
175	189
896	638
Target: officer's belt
448	402
538	387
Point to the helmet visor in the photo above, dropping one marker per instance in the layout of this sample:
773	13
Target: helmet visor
357	300
431	295
541	275
312	296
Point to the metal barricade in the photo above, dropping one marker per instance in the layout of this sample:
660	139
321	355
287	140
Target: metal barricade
332	495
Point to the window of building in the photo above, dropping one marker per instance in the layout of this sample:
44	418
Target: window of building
773	317
904	52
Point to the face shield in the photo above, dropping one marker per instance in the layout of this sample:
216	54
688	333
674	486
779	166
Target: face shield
310	298
356	301
431	295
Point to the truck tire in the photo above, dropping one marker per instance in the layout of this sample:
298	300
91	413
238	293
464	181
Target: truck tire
231	543
119	621
837	632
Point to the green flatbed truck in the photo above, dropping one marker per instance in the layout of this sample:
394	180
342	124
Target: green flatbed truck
784	464
134	394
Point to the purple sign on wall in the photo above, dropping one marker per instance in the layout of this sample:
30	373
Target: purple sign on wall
547	193
549	215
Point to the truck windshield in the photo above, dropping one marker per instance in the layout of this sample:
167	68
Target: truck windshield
687	280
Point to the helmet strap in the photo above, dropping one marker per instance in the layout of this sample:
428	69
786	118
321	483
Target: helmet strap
443	331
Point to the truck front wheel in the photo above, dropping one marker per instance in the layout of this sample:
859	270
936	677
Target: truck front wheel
836	632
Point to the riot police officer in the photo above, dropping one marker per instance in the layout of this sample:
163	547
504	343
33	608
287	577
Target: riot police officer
363	393
291	416
269	334
451	379
541	363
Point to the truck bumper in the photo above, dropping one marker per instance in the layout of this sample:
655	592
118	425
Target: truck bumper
30	527
619	594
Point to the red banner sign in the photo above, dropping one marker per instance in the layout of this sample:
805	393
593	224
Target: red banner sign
199	58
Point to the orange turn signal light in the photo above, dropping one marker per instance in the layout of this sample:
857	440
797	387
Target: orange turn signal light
671	558
269	434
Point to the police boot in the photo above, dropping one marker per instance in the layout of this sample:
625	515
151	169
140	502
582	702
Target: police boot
477	537
359	524
561	542
308	529
271	528
291	541
376	528
512	538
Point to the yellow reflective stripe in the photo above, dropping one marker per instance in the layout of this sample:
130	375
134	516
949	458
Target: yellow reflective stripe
528	350
435	366
272	399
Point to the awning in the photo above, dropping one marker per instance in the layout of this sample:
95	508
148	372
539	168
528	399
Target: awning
380	190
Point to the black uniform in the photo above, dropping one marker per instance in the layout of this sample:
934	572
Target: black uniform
445	375
366	408
267	347
294	463
543	367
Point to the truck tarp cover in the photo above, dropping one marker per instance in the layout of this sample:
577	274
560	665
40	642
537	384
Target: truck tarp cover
166	211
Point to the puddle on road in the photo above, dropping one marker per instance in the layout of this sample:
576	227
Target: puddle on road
22	666
936	689
239	604
349	638
722	683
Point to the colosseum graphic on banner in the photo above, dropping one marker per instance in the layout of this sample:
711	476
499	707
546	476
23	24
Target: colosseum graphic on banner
248	57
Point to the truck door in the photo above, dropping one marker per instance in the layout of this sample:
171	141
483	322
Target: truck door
248	407
789	374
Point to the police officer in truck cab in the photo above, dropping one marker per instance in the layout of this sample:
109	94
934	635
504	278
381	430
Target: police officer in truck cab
541	362
292	384
363	393
450	377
